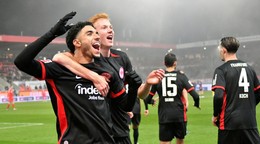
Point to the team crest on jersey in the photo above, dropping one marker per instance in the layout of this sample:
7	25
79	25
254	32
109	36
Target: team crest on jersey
121	72
106	75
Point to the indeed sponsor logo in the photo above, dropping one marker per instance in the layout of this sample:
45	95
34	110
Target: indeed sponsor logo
86	90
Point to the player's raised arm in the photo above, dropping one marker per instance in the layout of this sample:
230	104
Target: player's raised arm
25	60
154	77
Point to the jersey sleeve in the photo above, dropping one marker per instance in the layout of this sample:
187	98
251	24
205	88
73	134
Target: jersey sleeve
187	83
218	80
256	88
191	90
50	70
218	85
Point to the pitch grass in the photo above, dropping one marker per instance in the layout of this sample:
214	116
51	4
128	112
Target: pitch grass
34	123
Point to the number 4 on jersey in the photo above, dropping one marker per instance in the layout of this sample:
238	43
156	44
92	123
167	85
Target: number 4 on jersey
243	82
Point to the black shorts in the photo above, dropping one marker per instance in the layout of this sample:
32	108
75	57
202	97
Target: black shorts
170	130
136	119
248	136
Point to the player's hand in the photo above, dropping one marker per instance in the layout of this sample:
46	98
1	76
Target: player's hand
130	114
146	112
155	77
215	121
154	101
61	28
101	83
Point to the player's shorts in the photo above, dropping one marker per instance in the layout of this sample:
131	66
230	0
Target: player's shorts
168	131
248	136
122	140
136	119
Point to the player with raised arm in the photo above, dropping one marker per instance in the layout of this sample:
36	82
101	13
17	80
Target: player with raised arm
172	103
83	114
121	63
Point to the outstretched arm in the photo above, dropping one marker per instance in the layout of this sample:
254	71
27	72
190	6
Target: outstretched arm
25	60
100	82
154	77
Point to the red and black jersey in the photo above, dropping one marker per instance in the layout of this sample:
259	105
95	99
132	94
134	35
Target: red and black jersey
236	106
83	115
121	63
171	107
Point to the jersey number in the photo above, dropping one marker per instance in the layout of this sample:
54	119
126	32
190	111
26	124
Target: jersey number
243	82
167	84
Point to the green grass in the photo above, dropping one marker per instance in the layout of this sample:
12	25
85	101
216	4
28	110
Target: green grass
34	123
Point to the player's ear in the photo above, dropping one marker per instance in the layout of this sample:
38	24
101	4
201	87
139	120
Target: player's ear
76	43
224	50
175	63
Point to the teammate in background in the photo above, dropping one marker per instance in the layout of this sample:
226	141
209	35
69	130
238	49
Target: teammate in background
172	104
44	96
121	63
10	97
236	94
83	115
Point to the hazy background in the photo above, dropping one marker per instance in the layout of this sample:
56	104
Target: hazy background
159	21
170	22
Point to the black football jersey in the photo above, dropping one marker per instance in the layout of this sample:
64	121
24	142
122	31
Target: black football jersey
236	107
171	107
83	115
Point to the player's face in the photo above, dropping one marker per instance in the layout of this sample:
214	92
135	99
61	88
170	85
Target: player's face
89	42
106	32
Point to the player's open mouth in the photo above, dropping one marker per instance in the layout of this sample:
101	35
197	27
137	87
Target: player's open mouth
110	37
96	45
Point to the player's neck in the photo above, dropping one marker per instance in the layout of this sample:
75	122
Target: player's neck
169	69
80	58
105	52
230	57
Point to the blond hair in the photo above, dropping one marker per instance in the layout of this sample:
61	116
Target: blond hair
98	16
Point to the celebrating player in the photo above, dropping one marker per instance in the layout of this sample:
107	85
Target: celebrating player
172	103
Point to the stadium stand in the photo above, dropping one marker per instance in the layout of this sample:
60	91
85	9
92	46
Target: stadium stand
198	60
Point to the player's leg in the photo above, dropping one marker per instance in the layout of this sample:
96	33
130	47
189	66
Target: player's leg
13	106
8	105
180	129
179	141
135	124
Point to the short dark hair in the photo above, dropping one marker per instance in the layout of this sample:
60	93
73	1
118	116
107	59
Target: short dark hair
73	32
169	59
230	43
